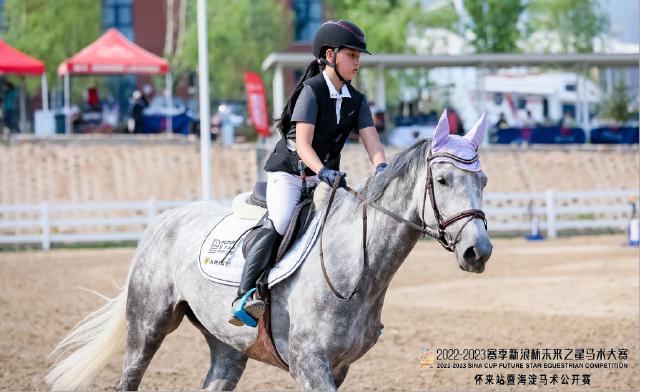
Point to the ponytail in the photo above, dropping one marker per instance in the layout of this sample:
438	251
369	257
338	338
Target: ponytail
284	122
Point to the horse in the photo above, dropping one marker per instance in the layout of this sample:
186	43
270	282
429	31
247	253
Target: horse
318	334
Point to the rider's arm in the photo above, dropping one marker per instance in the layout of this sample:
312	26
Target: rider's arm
304	137
371	142
368	135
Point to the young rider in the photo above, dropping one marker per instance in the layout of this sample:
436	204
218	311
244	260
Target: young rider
315	123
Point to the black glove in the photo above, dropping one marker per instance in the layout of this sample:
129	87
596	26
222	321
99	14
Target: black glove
380	168
329	175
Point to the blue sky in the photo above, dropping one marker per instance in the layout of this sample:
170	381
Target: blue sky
624	19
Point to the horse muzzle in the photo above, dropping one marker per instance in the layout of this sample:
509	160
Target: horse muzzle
474	257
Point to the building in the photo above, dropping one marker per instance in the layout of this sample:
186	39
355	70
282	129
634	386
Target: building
142	22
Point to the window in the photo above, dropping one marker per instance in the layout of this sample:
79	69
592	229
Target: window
521	103
309	15
118	14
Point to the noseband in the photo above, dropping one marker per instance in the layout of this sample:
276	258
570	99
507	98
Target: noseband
441	234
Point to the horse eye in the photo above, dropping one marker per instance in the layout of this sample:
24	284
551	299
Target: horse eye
441	180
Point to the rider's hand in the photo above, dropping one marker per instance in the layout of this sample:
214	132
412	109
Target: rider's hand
380	168
329	175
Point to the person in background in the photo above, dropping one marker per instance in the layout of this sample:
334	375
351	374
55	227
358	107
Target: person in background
502	123
147	94
455	123
528	122
10	106
92	99
136	112
568	121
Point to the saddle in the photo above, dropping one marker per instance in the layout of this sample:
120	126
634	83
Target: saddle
302	216
264	349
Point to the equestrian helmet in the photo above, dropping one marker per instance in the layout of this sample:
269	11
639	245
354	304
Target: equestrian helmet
338	34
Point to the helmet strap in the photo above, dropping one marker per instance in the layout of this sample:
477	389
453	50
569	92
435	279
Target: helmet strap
324	61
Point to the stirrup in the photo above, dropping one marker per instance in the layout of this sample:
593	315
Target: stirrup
239	312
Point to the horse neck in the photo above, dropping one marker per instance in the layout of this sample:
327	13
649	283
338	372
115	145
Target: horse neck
389	240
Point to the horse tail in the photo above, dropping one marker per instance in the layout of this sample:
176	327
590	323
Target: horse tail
93	340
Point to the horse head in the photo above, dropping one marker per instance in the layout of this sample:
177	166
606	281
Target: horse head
455	185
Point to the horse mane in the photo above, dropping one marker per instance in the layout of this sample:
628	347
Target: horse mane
401	167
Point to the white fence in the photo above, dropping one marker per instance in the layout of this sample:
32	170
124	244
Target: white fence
48	223
562	210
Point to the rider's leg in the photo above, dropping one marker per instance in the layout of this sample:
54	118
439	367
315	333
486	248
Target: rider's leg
283	193
261	254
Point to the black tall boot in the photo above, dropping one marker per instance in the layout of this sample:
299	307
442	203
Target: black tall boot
261	254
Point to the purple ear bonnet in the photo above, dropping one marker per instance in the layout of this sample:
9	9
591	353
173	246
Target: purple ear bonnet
463	147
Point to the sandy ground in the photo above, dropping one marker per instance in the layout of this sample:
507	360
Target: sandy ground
580	292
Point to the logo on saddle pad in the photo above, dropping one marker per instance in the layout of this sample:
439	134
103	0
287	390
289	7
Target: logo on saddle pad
221	247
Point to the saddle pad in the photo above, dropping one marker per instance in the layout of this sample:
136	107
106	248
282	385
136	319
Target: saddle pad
221	259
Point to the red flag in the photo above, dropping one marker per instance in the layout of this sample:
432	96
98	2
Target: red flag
257	111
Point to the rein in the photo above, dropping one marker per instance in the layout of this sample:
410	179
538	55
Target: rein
440	234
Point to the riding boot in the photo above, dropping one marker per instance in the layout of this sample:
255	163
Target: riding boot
261	254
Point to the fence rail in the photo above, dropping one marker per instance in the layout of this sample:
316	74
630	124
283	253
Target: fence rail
49	223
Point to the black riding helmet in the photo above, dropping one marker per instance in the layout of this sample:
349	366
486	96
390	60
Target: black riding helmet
337	34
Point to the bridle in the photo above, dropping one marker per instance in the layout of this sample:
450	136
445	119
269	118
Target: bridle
440	234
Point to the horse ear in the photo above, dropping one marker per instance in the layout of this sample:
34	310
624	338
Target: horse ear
441	134
475	135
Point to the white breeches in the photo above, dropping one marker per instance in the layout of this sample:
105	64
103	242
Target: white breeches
283	192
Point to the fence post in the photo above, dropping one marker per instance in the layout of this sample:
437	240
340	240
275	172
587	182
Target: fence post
152	210
551	229
45	226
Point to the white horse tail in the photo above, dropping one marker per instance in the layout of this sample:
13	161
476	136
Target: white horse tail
92	342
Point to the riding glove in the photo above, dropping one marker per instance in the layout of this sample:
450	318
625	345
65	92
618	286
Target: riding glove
329	175
380	168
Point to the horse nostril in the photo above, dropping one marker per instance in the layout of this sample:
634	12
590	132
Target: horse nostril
469	255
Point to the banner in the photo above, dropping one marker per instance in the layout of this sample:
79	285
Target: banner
257	111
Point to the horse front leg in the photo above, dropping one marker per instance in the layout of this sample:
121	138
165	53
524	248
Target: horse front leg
339	375
311	370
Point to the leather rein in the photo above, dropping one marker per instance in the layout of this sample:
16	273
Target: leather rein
439	233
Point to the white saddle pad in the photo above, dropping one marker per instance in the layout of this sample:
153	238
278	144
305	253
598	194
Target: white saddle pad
221	259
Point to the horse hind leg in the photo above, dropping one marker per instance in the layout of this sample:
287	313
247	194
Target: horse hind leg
149	321
226	363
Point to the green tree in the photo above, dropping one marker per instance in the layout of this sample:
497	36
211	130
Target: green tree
495	24
389	23
619	104
52	31
577	23
241	34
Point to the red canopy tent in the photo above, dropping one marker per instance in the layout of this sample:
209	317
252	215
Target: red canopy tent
113	54
15	62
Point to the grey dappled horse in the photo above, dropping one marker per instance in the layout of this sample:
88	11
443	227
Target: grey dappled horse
317	334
